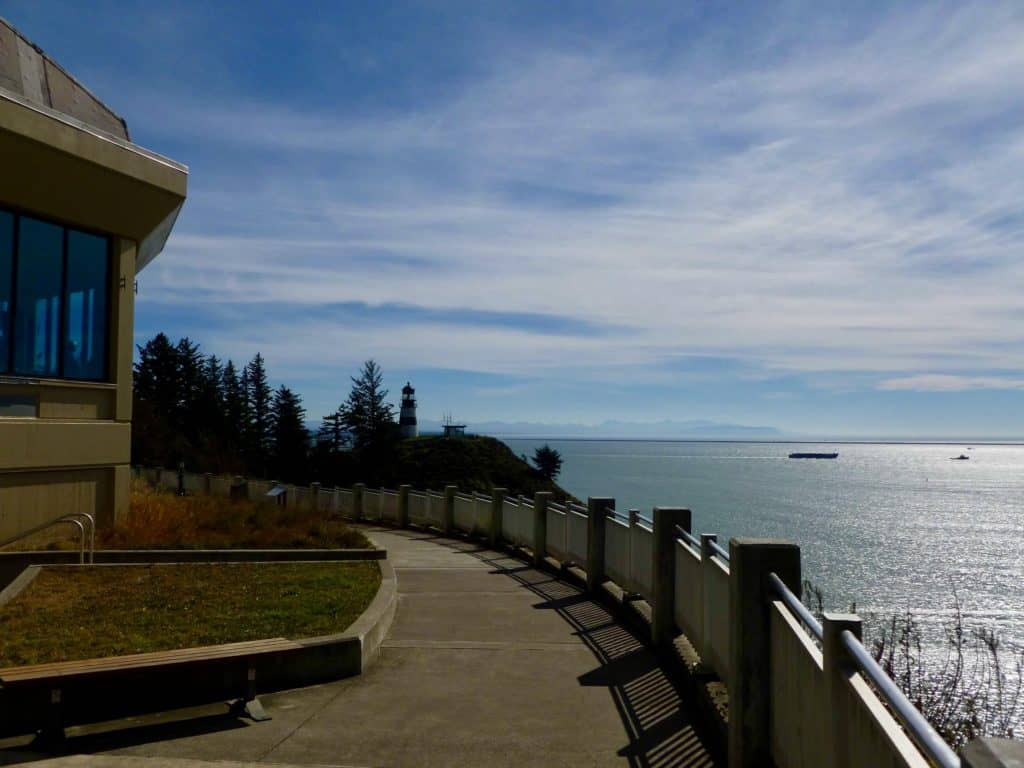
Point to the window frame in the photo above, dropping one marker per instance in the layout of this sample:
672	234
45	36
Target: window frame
9	373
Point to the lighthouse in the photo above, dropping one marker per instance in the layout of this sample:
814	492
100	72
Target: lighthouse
407	416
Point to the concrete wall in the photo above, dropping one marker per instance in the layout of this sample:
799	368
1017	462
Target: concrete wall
73	454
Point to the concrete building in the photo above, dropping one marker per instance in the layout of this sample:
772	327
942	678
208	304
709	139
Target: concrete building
407	416
82	210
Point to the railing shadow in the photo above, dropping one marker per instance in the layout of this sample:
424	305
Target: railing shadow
659	724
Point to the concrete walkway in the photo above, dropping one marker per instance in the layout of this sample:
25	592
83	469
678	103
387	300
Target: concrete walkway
489	663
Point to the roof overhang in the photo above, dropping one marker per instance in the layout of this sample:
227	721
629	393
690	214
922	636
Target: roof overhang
58	167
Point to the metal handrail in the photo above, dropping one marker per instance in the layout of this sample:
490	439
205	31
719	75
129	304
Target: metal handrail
913	722
796	606
688	537
718	550
72	519
92	532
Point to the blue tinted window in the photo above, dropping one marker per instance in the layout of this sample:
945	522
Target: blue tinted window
37	298
85	341
6	275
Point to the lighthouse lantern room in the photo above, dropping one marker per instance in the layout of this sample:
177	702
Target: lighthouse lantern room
407	416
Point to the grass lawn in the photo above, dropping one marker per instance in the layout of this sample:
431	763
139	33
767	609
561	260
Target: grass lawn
80	613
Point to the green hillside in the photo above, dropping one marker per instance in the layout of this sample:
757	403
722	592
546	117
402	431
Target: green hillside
471	463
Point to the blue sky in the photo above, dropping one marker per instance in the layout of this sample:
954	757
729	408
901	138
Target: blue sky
804	215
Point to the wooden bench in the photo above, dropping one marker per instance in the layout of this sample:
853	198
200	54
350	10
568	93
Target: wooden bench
226	671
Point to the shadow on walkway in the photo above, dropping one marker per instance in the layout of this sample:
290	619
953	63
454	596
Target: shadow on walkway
659	724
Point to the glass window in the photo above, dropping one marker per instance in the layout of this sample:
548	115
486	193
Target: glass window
37	298
6	276
85	341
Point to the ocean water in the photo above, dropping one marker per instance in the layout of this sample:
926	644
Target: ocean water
888	527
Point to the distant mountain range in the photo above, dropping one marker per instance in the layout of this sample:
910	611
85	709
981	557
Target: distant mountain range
667	429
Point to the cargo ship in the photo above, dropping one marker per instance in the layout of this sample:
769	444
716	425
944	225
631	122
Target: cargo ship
814	455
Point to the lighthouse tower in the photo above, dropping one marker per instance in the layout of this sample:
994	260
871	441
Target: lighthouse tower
407	416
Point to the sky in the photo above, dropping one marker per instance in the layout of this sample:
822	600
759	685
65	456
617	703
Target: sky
803	215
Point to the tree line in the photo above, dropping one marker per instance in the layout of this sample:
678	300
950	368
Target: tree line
216	416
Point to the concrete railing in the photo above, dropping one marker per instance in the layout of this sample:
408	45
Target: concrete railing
800	693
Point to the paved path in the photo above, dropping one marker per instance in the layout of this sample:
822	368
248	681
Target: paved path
488	663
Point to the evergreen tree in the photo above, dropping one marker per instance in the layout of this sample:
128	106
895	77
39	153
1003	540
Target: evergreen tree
366	414
259	399
156	377
331	435
548	462
156	438
289	436
234	401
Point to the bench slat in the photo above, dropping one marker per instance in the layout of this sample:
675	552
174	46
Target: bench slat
66	669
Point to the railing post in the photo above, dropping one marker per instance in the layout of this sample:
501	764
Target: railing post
335	501
991	752
207	483
540	526
403	505
837	671
314	496
596	513
357	500
448	520
750	562
497	510
663	570
706	540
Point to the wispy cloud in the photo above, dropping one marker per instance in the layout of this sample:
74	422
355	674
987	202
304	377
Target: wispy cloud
829	195
947	383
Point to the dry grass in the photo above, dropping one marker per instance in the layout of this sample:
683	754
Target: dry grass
162	520
91	612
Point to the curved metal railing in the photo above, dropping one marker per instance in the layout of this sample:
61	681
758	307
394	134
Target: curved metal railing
796	606
719	551
913	722
909	717
71	518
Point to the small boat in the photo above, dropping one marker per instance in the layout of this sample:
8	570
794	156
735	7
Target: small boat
961	457
814	455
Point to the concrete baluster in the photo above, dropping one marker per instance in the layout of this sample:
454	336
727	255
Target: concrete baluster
663	571
314	496
448	521
403	505
992	752
497	509
837	670
707	609
357	500
750	562
597	507
540	526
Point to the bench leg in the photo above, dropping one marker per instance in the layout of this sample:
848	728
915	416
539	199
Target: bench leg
250	706
52	734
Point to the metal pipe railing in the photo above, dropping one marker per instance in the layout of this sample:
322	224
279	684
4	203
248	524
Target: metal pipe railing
719	551
688	537
796	606
914	723
70	518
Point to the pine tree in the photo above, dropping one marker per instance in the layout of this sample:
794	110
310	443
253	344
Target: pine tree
289	436
548	462
259	403
366	414
331	435
155	435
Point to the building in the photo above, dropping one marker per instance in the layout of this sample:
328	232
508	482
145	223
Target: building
407	416
454	430
82	211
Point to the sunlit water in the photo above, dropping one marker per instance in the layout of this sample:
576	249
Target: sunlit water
889	527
